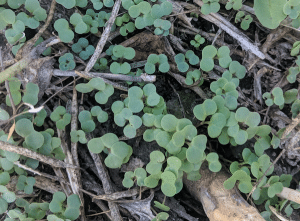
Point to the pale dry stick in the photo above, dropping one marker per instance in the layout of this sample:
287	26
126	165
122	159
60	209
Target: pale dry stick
104	177
115	85
230	29
143	78
24	62
74	154
104	36
34	155
118	195
115	213
29	44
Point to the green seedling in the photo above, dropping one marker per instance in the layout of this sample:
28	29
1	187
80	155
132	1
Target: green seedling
161	206
14	86
33	211
127	28
192	77
161	216
210	6
141	12
33	139
168	183
26	184
86	120
80	45
7	17
37	14
118	151
80	26
234	4
97	4
208	54
245	20
270	13
105	90
207	108
14	4
228	90
101	115
244	179
292	9
31	94
139	175
61	117
295	109
198	40
101	64
296	22
68	4
224	56
121	52
275	97
16	48
120	20
213	162
102	17
122	115
78	136
70	212
293	72
237	70
6	198
182	65
162	27
91	22
64	32
295	49
51	146
156	160
160	10
161	60
40	118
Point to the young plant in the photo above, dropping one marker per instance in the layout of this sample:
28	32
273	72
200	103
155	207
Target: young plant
223	55
61	117
71	211
161	216
122	52
162	27
161	60
295	49
245	20
275	97
192	77
37	14
101	64
65	34
118	151
26	184
234	4
182	65
68	4
208	54
198	40
31	94
210	6
5	198
86	120
78	136
80	26
104	90
292	9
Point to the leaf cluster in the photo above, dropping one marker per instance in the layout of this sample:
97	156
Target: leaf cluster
161	60
118	151
104	90
61	117
71	211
